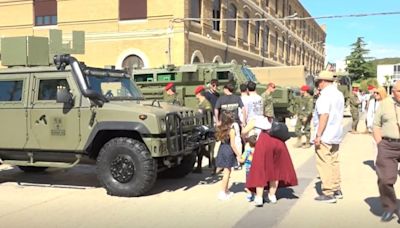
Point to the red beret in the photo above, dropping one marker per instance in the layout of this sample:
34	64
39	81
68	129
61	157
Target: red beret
305	88
370	87
198	89
169	86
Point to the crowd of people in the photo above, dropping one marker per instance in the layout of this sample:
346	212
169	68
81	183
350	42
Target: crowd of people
243	126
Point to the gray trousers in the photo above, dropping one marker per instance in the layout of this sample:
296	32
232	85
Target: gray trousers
387	171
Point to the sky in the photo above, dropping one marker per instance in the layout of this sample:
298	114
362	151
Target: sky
381	33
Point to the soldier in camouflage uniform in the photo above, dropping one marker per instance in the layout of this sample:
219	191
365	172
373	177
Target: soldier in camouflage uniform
204	150
304	113
204	104
171	96
354	107
268	101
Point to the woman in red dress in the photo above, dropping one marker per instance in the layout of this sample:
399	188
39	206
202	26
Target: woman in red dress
271	166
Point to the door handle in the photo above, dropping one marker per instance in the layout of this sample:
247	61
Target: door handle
42	119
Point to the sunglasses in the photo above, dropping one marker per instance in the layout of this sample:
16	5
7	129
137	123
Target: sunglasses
377	93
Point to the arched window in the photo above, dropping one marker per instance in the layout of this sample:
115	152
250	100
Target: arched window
276	44
257	34
217	59
132	62
216	14
265	38
246	27
196	59
283	46
196	10
232	12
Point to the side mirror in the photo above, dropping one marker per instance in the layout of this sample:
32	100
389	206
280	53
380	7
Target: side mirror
63	95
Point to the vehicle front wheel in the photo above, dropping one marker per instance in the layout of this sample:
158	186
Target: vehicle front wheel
32	169
125	167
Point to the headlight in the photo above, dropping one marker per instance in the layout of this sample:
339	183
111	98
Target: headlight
163	125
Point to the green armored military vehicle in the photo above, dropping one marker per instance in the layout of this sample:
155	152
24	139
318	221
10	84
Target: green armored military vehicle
62	114
187	77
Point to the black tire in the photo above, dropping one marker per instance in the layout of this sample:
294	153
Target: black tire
32	169
182	169
139	171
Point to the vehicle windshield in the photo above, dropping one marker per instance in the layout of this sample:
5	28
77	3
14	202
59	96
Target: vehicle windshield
115	88
249	74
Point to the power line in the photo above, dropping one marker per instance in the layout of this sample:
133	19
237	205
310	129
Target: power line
288	18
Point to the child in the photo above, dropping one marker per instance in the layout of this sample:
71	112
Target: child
247	158
228	153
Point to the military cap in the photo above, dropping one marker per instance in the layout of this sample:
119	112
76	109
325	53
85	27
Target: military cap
305	88
169	86
198	89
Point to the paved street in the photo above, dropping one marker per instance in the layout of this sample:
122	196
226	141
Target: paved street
73	198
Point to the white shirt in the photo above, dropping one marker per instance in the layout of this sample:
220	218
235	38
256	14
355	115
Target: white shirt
372	107
254	105
330	101
245	99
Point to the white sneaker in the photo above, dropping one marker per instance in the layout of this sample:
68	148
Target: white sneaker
224	196
272	198
258	201
249	197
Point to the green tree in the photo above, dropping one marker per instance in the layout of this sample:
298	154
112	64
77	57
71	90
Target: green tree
356	61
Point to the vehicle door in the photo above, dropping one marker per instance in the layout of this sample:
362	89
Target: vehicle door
54	126
13	112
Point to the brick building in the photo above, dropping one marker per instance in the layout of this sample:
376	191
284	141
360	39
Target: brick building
141	33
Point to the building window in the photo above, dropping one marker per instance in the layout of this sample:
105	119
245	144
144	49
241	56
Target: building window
257	34
11	90
45	12
267	3
132	9
276	43
232	12
288	50
246	27
216	14
132	62
265	39
195	10
396	69
276	7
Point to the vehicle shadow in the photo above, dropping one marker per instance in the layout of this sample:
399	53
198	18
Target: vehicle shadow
84	176
79	177
370	163
185	183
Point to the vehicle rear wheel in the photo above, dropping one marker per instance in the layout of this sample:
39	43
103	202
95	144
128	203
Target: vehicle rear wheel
32	169
125	167
183	169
